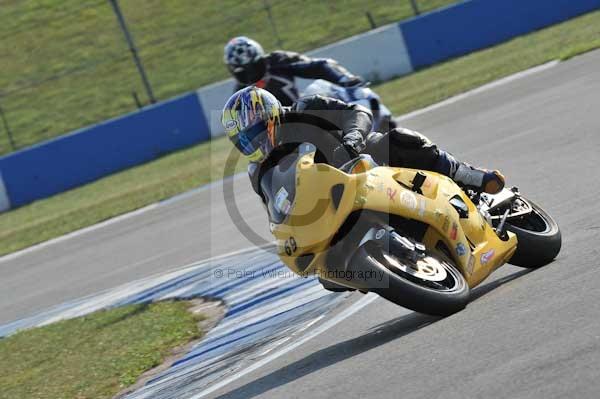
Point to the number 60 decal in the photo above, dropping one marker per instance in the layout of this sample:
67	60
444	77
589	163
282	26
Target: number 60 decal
290	246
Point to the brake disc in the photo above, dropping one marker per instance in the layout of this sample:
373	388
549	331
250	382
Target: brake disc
427	268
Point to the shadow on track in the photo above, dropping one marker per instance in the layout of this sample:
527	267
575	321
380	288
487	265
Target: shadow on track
377	335
487	288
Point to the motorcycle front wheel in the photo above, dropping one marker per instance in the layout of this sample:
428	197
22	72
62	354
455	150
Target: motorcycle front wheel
430	285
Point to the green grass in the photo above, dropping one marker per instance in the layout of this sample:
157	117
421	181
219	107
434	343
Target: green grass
94	356
65	63
186	169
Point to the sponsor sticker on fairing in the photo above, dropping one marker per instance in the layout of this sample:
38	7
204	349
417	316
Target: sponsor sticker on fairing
282	204
487	256
446	225
461	250
454	231
408	199
391	193
471	264
422	208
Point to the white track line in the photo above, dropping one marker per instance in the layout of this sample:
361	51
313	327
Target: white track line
358	305
480	89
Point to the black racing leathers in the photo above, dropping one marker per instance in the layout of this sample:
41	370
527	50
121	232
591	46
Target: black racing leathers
327	123
278	69
333	125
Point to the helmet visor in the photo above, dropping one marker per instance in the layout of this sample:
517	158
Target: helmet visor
254	142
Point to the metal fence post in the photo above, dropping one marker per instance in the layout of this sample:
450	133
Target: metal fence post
371	20
415	7
138	103
7	128
272	20
133	49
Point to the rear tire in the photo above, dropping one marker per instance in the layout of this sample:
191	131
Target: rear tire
539	238
404	289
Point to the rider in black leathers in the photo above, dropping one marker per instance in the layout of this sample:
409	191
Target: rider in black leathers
276	71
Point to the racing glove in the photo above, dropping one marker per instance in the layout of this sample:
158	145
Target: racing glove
343	153
351	81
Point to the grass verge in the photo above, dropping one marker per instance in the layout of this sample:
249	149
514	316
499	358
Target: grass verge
94	356
181	171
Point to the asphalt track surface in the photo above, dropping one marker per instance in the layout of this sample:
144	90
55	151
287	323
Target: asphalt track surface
526	334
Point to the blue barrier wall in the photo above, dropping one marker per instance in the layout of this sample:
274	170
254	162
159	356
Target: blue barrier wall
96	151
475	24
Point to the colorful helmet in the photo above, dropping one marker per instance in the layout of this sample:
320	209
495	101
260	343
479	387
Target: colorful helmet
251	118
244	58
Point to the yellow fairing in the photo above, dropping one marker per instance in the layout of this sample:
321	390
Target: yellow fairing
314	220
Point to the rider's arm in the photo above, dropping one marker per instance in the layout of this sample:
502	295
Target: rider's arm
289	63
353	120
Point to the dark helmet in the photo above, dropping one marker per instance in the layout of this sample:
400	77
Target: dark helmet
245	59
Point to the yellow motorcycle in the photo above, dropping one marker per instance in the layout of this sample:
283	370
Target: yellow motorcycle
414	237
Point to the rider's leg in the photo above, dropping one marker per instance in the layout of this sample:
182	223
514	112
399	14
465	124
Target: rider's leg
404	147
489	181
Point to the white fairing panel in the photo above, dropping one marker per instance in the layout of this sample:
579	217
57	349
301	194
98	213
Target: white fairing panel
4	200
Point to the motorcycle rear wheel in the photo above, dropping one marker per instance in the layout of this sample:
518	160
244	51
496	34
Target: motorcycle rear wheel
538	235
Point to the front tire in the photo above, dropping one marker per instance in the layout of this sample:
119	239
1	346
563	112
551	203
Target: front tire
436	288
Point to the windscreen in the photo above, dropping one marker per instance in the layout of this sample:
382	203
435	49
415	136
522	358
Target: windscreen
278	184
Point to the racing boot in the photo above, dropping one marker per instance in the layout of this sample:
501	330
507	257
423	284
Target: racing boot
481	180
